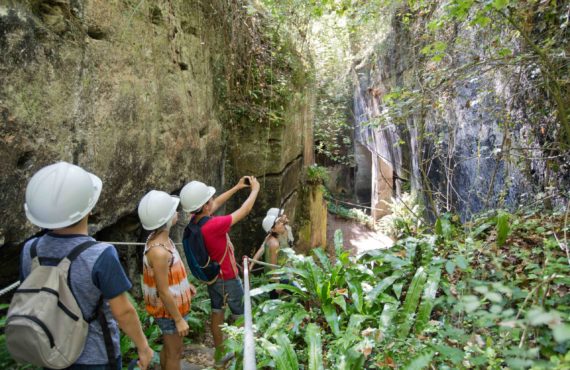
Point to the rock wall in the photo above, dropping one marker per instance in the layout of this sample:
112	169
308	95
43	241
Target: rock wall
313	231
468	146
141	93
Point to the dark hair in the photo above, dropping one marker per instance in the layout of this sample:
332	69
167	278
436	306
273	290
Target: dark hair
154	233
199	210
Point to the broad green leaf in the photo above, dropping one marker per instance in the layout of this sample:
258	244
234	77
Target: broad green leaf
470	303
323	258
340	301
283	353
326	291
519	363
481	229
356	294
397	288
338	243
283	341
354	325
385	283
314	347
450	267
332	318
503	227
494	297
270	287
411	303
385	320
420	362
537	317
561	333
455	355
428	299
443	228
461	262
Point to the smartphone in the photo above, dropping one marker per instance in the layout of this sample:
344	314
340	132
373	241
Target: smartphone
246	181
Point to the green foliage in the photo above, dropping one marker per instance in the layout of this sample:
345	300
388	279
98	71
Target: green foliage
404	218
317	174
351	214
314	347
502	228
411	303
196	319
457	299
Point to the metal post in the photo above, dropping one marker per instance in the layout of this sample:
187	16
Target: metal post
248	340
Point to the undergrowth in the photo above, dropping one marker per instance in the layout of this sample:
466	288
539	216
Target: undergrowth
491	293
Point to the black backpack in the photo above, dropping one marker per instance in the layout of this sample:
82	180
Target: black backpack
201	266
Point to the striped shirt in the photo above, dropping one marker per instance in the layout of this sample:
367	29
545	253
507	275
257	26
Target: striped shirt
178	284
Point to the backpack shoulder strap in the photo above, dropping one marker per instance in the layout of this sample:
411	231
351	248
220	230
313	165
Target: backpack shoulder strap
34	254
99	313
38	260
75	252
34	248
203	220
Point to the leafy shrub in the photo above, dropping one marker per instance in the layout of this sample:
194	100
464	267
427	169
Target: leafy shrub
405	217
196	319
317	174
352	214
486	294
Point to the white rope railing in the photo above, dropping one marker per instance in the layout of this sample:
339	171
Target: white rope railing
9	288
17	283
248	340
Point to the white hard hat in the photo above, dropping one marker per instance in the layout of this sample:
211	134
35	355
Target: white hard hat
194	195
268	222
60	195
156	208
275	212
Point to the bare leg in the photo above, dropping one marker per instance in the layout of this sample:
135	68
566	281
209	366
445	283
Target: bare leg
217	319
172	349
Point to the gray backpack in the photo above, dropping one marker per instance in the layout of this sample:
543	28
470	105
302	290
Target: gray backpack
45	326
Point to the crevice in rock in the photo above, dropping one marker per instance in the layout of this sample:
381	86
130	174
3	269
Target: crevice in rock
24	160
278	174
203	131
96	33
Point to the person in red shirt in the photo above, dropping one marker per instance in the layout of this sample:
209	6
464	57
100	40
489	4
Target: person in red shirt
198	199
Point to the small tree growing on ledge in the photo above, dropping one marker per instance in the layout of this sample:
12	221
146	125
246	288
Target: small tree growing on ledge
317	174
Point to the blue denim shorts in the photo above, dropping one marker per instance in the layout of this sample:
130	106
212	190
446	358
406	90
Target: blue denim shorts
227	292
167	326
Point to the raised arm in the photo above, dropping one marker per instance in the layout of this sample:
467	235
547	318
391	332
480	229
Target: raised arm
223	198
258	254
246	207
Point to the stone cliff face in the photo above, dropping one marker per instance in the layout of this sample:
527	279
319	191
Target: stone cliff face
470	145
143	94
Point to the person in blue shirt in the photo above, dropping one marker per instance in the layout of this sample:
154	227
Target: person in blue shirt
60	197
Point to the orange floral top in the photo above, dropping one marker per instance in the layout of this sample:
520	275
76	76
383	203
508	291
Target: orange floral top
177	284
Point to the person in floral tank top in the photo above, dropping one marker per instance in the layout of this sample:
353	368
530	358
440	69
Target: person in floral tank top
167	292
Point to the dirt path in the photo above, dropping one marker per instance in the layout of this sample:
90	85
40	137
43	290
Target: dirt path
357	237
